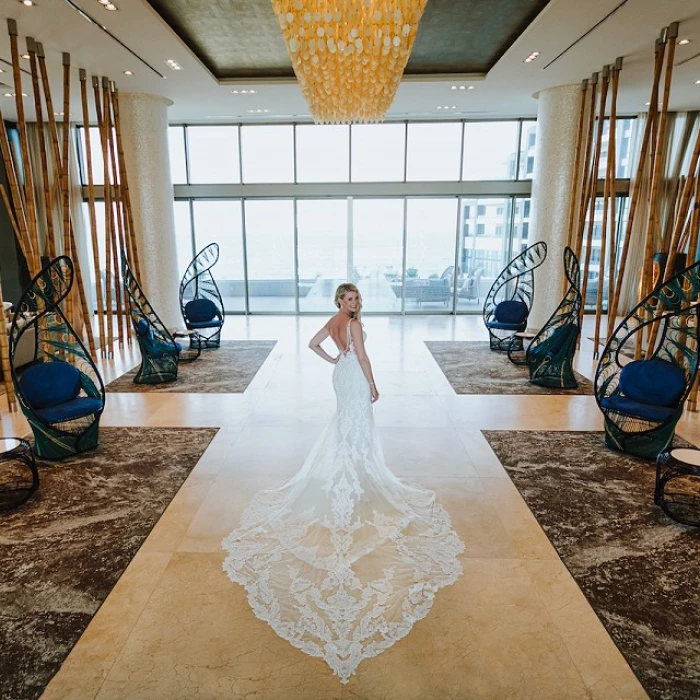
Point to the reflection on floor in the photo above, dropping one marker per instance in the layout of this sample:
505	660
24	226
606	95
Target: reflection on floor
514	626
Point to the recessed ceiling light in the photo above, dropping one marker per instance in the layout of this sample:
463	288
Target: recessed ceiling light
683	42
173	64
531	57
470	87
25	55
8	94
104	2
128	72
2	70
27	3
14	94
258	111
697	82
454	87
110	6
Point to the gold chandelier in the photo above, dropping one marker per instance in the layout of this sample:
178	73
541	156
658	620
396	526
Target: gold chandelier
349	55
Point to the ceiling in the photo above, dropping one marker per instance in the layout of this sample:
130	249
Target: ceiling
242	39
452	39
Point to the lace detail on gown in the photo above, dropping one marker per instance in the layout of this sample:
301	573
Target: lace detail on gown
344	559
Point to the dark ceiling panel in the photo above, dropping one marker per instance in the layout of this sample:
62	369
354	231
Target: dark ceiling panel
468	36
241	38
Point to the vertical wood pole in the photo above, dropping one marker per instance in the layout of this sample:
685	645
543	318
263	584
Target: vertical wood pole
92	213
585	189
108	216
30	212
43	163
114	203
594	181
125	190
637	187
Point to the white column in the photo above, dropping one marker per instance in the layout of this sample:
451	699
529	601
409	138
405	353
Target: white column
555	154
144	127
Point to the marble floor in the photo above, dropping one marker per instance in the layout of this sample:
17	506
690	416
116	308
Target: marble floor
515	625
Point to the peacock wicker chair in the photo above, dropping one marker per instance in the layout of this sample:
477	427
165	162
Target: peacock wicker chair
60	390
550	355
200	300
509	300
160	353
642	400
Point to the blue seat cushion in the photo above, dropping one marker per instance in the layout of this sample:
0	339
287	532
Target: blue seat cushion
655	382
214	323
511	312
50	383
76	408
637	409
506	326
200	310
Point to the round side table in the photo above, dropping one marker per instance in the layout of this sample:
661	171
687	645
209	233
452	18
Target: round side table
682	503
16	485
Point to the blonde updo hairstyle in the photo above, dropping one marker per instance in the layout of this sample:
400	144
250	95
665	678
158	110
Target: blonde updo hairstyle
342	290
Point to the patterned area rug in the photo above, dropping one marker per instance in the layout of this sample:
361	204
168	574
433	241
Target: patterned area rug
472	368
638	569
63	551
226	370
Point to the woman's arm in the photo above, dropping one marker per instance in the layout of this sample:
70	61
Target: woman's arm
315	345
359	342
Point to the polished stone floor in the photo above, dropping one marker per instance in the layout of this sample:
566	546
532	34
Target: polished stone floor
514	626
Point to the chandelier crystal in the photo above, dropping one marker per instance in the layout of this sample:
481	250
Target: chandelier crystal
349	55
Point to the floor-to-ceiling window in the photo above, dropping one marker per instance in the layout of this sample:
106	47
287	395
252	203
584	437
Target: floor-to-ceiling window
422	216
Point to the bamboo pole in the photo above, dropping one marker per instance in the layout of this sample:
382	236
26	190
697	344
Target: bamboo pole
637	187
53	129
62	166
594	181
35	263
683	207
5	362
108	216
658	161
107	118
133	248
118	200
694	224
92	212
577	178
585	189
17	199
608	191
612	165
43	163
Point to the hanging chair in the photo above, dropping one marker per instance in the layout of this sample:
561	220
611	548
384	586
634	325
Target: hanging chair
509	300
643	399
550	355
200	300
160	353
60	390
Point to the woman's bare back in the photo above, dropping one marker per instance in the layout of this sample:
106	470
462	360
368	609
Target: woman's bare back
338	330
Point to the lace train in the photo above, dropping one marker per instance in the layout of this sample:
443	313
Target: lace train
344	559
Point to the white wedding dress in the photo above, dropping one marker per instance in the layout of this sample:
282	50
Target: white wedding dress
344	558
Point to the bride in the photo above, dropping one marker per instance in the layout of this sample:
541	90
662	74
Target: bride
344	558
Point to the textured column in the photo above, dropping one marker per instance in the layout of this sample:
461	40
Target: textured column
144	127
555	155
